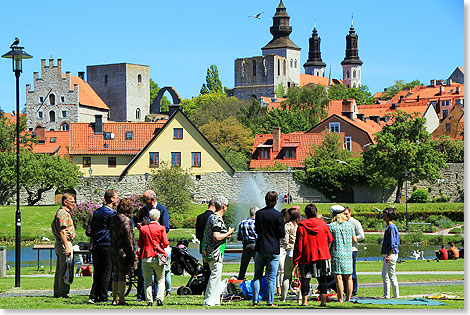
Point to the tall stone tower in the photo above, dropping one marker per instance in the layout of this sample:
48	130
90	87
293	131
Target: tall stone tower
281	45
314	64
124	87
351	63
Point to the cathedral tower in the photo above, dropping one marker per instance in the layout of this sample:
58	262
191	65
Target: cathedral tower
314	64
351	63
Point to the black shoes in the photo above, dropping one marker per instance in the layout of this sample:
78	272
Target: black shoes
159	303
149	304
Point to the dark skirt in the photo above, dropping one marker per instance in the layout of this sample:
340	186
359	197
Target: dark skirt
315	269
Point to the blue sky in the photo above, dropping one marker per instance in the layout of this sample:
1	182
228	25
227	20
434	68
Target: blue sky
179	40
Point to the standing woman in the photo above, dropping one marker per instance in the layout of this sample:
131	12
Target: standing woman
122	250
312	253
292	218
390	250
282	256
152	243
341	251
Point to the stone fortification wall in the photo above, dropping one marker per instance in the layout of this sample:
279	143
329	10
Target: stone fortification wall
250	187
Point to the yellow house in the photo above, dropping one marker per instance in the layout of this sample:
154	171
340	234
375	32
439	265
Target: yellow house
180	143
133	148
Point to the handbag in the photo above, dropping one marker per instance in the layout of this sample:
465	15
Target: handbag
295	285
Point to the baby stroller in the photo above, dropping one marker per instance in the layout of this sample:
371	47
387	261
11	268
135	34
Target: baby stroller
182	261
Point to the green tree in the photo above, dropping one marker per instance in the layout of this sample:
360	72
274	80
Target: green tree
8	134
154	89
280	91
251	115
228	134
405	145
213	83
331	169
174	187
42	172
311	100
208	107
238	160
361	94
288	120
399	85
452	150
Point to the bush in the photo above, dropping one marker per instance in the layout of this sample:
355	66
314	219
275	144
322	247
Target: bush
419	196
441	198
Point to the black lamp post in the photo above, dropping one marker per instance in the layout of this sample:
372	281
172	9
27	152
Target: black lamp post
17	55
406	197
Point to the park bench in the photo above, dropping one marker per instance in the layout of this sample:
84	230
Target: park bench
424	226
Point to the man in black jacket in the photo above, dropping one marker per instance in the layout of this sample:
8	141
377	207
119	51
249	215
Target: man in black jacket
201	222
269	226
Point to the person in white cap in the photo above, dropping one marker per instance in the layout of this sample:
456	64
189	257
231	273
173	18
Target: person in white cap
341	251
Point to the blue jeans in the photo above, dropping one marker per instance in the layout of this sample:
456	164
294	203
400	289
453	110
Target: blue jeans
354	275
271	262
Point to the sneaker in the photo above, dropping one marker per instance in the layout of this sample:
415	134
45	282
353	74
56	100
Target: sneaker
272	305
91	301
159	303
149	304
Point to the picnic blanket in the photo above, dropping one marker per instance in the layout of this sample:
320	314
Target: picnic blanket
415	301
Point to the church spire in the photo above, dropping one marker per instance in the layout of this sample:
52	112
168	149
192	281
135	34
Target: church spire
352	52
314	64
280	30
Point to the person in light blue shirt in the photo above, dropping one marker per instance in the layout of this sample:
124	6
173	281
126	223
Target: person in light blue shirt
390	245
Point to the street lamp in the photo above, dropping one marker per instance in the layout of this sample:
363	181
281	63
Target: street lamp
16	54
406	197
288	184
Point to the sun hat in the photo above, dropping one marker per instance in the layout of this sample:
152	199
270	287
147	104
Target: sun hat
336	209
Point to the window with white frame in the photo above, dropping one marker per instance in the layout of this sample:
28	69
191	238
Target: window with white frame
334	127
347	143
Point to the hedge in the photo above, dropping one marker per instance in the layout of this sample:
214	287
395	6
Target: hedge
415	215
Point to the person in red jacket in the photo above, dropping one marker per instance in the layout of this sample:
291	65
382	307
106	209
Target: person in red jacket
312	253
152	243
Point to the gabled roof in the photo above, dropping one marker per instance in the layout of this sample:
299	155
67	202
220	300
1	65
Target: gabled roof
85	141
55	142
86	95
300	140
160	130
313	79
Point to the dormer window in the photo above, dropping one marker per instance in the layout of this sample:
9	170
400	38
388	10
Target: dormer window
53	140
108	135
129	135
289	154
263	154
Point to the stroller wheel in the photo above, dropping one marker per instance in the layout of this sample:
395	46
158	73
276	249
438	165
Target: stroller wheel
184	291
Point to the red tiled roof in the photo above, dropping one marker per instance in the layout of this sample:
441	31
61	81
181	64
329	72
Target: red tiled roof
313	79
301	140
409	106
368	126
271	103
59	146
85	141
339	106
86	95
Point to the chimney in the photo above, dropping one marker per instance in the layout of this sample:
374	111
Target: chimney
98	124
457	90
59	65
43	63
81	75
349	115
276	139
41	134
441	90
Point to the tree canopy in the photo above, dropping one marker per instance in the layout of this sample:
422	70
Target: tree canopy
311	100
452	150
399	85
213	83
405	145
361	94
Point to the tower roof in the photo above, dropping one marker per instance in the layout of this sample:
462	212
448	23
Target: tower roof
352	52
314	53
280	30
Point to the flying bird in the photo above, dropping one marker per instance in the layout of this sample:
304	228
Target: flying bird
256	16
16	42
194	240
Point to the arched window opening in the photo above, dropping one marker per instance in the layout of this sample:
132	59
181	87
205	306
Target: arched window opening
137	113
291	63
64	127
243	68
139	78
254	68
284	67
278	67
354	73
295	63
347	74
51	99
105	79
52	116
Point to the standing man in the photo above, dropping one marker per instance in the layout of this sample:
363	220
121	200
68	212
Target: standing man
269	226
246	234
201	221
357	227
213	249
64	232
142	218
101	239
